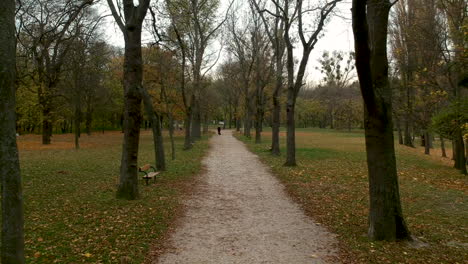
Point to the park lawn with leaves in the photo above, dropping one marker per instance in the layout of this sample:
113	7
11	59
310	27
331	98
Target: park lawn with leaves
331	184
71	213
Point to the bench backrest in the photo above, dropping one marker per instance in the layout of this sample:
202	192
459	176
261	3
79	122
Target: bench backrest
145	167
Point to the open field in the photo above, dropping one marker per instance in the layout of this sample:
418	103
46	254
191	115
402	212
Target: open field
331	185
71	213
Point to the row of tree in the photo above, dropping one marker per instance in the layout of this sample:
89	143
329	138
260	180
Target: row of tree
66	76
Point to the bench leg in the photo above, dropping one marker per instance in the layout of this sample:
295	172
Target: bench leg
146	179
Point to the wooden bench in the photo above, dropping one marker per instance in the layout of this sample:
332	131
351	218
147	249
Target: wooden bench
149	172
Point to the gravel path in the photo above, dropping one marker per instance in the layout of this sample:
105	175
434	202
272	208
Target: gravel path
241	214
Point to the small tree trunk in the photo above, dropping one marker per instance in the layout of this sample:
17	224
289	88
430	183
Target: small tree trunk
466	151
275	148
408	141
187	139
460	162
291	131
442	147
160	160
196	121
46	125
423	140
247	121
77	125
400	134
171	135
259	119
427	144
453	149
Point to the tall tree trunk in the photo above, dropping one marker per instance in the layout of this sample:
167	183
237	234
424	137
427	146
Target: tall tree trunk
159	157
196	120
453	149
400	134
275	126
12	242
442	147
427	143
171	135
187	125
466	151
370	21
460	162
132	79
408	141
247	116
259	116
46	124
77	124
291	131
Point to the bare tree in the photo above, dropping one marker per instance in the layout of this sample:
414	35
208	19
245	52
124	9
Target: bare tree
12	248
292	15
370	21
242	49
275	33
131	25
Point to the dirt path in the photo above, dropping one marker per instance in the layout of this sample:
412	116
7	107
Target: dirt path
242	215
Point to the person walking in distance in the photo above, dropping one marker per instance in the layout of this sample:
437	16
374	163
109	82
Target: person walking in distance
219	130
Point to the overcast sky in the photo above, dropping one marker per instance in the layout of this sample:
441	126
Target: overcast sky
338	36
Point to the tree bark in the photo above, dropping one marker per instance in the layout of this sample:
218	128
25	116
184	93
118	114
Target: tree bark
132	82
158	143
407	135
370	21
133	76
196	120
442	147
427	143
275	126
171	135
291	129
247	115
400	135
46	124
459	147
77	124
259	115
187	138
466	151
12	241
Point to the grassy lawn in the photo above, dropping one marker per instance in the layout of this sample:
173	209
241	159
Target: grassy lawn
331	184
71	213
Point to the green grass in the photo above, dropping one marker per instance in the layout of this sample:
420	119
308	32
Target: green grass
330	182
71	213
